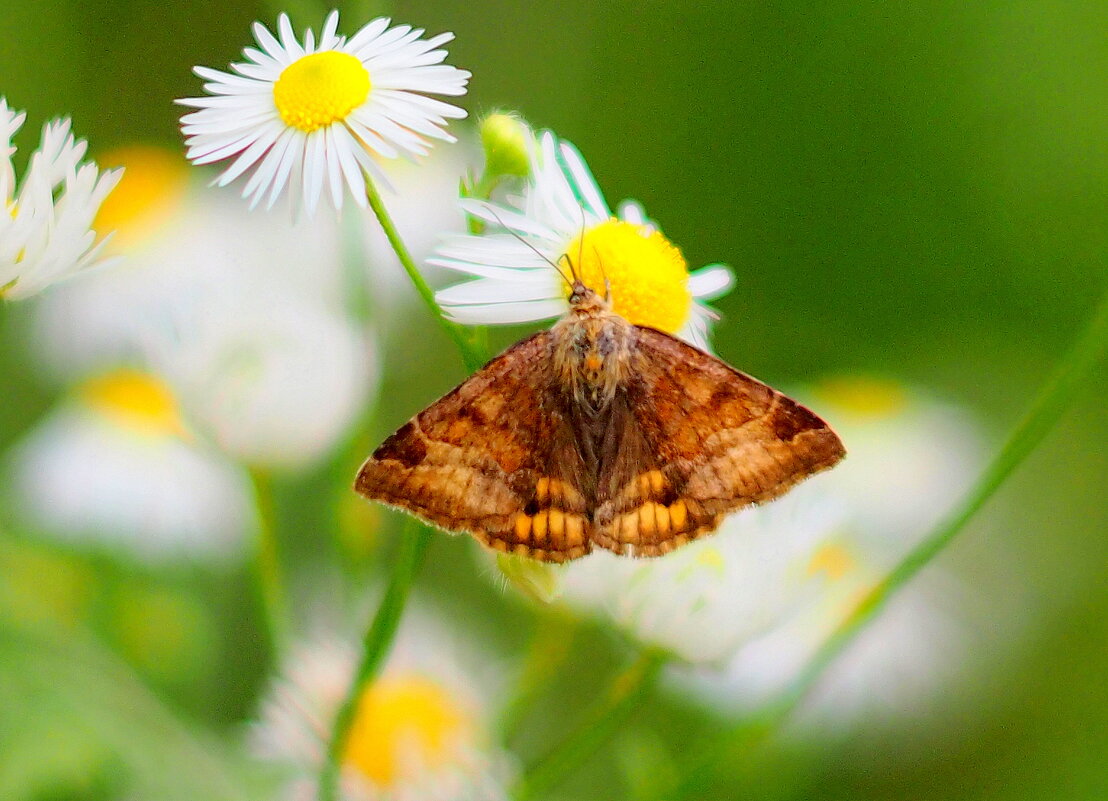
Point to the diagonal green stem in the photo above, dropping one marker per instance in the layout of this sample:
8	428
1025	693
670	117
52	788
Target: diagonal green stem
601	722
378	640
267	563
1044	412
471	353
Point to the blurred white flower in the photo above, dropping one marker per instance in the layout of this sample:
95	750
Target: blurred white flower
114	466
245	314
273	382
421	732
45	223
910	459
705	600
309	116
563	216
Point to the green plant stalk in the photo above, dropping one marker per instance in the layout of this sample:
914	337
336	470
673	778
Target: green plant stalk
267	561
600	723
1044	412
472	355
375	647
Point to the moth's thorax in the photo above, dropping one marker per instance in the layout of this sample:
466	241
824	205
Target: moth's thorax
592	348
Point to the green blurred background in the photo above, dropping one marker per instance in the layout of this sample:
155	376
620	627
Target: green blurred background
916	190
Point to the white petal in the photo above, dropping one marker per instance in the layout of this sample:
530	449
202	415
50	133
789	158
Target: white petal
491	290
507	313
711	282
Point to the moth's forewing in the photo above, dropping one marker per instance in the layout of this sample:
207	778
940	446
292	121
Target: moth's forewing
702	440
480	460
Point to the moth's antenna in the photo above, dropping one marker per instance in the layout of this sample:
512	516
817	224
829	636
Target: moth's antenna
536	251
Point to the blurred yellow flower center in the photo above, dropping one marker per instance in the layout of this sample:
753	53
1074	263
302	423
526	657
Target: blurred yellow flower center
405	723
864	396
319	89
135	400
147	196
833	560
647	273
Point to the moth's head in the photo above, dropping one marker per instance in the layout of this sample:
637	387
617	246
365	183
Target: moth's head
584	300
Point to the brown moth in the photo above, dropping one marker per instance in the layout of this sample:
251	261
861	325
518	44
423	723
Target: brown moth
597	433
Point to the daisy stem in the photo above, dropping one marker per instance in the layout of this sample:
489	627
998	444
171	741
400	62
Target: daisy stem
600	723
1068	378
378	640
267	562
471	353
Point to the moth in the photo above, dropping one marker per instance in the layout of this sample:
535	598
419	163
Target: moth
597	434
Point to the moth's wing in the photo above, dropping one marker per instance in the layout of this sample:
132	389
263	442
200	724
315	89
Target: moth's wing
705	440
495	457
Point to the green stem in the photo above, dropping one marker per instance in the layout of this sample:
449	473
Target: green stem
1044	412
601	722
471	354
267	562
413	545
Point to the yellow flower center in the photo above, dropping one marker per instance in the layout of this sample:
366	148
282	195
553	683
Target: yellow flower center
319	89
403	724
833	560
147	196
135	400
648	276
864	396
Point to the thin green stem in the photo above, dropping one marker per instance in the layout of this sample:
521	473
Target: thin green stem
600	723
267	561
471	353
1043	413
378	640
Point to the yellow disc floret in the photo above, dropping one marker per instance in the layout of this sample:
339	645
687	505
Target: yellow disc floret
316	90
406	723
136	400
648	276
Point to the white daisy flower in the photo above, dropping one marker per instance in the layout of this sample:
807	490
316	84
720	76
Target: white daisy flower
307	115
562	215
116	467
421	731
45	222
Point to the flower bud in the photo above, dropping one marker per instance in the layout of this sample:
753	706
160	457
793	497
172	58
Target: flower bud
507	141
